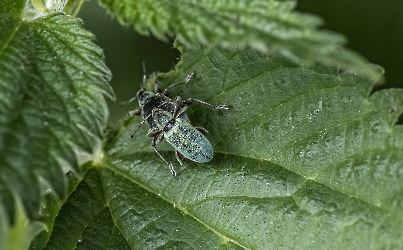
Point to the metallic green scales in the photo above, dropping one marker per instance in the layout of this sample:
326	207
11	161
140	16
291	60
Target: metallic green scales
190	142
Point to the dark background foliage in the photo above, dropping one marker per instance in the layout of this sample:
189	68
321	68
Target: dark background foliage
373	28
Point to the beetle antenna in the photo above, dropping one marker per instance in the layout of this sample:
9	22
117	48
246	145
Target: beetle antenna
137	128
145	119
120	104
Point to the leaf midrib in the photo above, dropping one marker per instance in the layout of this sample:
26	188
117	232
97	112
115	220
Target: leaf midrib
113	218
106	165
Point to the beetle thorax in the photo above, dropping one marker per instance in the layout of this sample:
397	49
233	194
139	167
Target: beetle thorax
163	119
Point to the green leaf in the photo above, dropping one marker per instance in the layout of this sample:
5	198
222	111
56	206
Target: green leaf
262	24
19	236
91	221
93	225
50	209
305	158
52	85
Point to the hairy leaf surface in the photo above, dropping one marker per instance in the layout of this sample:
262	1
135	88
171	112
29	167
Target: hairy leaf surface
259	23
52	85
305	158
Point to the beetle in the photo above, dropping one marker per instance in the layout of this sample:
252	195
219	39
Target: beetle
167	119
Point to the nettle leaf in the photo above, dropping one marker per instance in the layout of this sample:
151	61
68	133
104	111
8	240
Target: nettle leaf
304	158
52	85
50	210
261	24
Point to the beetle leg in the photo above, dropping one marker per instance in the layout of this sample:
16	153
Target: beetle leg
182	104
160	137
135	112
202	130
177	105
144	76
180	111
171	167
153	133
179	157
191	100
166	92
157	88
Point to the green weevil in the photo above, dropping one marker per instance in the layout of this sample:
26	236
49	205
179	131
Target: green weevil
167	119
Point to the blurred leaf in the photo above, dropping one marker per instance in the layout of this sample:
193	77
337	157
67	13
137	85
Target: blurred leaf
304	159
50	209
261	24
52	85
19	236
73	7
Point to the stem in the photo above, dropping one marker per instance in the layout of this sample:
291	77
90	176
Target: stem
72	7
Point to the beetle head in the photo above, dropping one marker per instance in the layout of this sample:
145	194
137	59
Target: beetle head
143	95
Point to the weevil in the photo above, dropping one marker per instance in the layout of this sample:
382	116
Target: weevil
167	119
